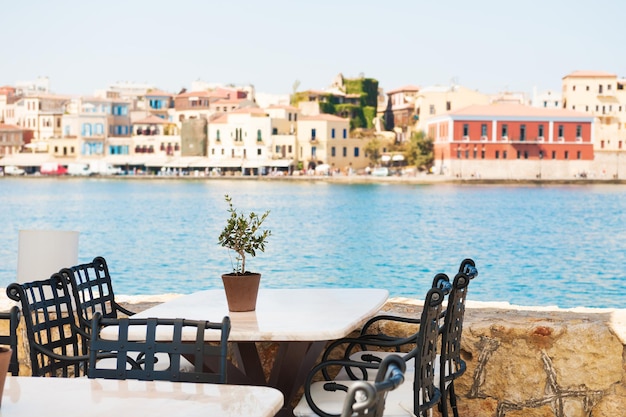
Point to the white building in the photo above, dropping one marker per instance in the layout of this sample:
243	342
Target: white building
241	140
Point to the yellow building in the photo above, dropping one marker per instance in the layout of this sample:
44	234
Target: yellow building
325	139
602	95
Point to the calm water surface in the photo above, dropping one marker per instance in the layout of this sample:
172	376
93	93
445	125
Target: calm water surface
533	245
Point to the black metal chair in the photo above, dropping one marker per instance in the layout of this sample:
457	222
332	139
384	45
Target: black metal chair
57	345
92	290
325	398
10	339
368	399
149	345
451	330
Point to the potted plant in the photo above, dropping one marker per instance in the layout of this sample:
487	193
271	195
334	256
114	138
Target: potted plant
244	236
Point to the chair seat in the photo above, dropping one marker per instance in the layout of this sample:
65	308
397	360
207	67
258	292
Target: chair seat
399	402
162	363
371	373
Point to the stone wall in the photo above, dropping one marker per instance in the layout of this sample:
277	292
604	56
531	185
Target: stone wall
539	362
530	362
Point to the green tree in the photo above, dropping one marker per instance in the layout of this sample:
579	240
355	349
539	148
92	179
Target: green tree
372	149
419	151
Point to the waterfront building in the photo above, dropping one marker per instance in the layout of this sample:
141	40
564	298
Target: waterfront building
11	139
603	96
125	90
326	139
7	98
155	136
548	99
284	124
39	115
154	102
397	112
203	104
93	127
486	139
434	101
35	87
240	140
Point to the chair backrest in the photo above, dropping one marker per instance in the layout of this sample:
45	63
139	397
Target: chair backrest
452	329
425	392
368	399
93	291
159	335
57	347
10	339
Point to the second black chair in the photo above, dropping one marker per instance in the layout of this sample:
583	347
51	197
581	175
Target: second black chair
180	339
93	291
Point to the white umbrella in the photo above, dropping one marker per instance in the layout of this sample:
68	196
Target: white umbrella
322	168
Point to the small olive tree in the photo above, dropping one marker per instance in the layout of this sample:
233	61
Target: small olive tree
243	235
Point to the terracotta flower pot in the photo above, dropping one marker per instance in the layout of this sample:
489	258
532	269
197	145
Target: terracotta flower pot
5	359
241	291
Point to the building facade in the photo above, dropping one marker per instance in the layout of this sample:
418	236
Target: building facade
11	140
398	112
480	137
325	139
433	101
603	96
241	140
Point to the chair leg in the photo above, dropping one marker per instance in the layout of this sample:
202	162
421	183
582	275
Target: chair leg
443	403
452	396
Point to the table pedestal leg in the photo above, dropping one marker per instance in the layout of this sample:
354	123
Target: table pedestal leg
247	356
293	362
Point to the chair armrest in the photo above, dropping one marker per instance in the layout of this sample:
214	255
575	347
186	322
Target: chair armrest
124	310
364	343
59	357
376	319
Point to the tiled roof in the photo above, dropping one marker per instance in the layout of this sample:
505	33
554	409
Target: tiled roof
158	93
324	116
229	101
194	94
151	120
220	118
589	74
515	110
250	110
282	106
4	126
407	88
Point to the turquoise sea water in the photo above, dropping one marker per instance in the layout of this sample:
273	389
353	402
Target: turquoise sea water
533	245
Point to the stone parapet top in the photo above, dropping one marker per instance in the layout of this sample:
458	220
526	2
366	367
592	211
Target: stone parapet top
401	305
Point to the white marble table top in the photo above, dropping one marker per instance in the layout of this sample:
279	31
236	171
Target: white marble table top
305	314
69	397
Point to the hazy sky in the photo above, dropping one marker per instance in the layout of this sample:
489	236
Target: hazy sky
487	45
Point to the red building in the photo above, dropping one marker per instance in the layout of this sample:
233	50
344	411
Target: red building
511	131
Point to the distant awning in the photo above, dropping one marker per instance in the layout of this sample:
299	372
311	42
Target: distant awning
397	158
200	162
157	161
26	159
226	163
279	163
385	158
182	162
37	146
